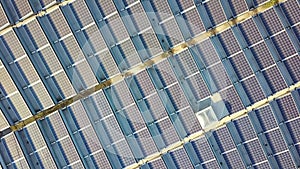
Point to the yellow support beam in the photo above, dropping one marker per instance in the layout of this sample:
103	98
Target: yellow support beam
142	66
32	17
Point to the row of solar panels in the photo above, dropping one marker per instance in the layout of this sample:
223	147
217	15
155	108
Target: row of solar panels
83	133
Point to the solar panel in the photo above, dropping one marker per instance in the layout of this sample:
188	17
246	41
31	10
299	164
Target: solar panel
250	32
219	76
151	43
171	31
245	129
59	23
208	52
69	150
167	131
193	21
276	141
117	27
23	7
156	107
293	126
274	79
203	150
82	12
238	7
284	45
215	11
262	55
233	159
3	18
229	42
253	89
241	65
101	160
91	139
134	117
124	153
42	95
146	142
271	21
107	7
162	9
181	159
36	33
255	151
139	17
158	163
288	108
13	44
292	65
285	160
266	118
224	139
189	120
198	85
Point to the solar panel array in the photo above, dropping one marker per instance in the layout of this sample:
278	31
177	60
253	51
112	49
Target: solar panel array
83	43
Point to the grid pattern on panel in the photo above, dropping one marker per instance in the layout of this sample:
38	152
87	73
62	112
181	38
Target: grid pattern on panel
293	127
79	115
296	30
14	150
271	21
232	101
28	69
258	2
134	118
22	164
245	128
59	22
69	150
264	165
3	121
276	141
193	21
158	163
113	129
262	55
20	105
128	2
253	89
64	84
101	160
139	17
283	45
266	118
122	92
241	66
45	154
23	7
162	9
95	38
146	142
172	32
185	4
50	59
101	104
13	44
177	97
167	131
293	64
82	12
107	62
189	121
255	151
156	107
250	32
150	43
198	86
203	150
288	107
285	160
144	83
117	27
57	125
77	165
46	2
107	7
129	54
73	49
274	79
229	42
291	10
219	76
35	136
208	52
211	164
91	139
3	18
36	33
165	73
124	153
233	159
8	83
215	12
86	74
224	139
186	63
238	6
181	159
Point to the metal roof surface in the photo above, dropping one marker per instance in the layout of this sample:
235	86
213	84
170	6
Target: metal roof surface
149	84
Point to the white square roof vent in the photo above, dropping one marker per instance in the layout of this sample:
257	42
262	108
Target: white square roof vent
207	117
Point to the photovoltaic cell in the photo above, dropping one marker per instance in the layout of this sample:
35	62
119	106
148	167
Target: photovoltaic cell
23	7
198	86
36	137
186	63
189	120
59	23
82	12
117	27
219	76
69	150
262	55
106	7
144	83
50	59
14	150
156	107
266	118
274	79
161	9
158	163
64	84
293	127
215	12
238	6
255	151
124	153
211	164
57	126
42	95
107	63
167	131
290	9
13	44
45	154
193	22
101	160
276	141
250	32
113	129
165	73
172	32
130	56
122	93
145	142
134	117
283	45
253	89
229	42
20	105
77	165
271	21
285	160
3	18
233	159
203	149
224	139
7	84
139	17
28	70
36	33
95	38
181	159
91	139
231	99
208	52
79	115
3	121
101	104
288	107
241	66
86	74
293	64
150	43
264	165
73	49
177	97
185	4
245	129
22	164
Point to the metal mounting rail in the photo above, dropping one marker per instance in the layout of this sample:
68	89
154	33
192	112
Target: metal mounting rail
142	66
